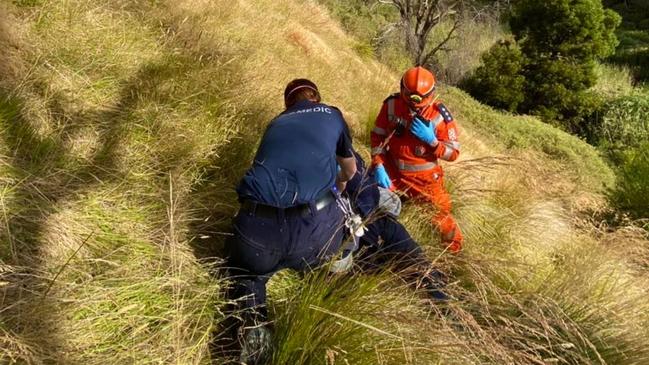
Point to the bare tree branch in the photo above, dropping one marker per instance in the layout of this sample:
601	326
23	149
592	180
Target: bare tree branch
417	19
442	44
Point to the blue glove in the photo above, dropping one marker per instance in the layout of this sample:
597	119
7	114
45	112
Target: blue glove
381	177
424	131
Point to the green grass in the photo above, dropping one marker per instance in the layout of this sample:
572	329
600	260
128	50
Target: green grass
564	153
614	81
633	35
359	320
121	144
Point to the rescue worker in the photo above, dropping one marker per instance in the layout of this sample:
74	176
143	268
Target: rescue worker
289	216
386	242
413	132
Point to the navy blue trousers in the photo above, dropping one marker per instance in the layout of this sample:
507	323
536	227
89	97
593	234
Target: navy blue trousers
387	243
388	240
263	245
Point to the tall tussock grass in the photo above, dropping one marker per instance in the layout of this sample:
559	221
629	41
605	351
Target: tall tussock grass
124	127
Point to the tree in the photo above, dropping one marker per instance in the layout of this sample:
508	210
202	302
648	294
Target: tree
562	39
418	18
498	81
580	30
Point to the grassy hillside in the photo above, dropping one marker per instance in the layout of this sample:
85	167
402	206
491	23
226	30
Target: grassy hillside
633	33
124	127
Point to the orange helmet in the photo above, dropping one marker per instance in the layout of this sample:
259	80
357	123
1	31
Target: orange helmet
417	87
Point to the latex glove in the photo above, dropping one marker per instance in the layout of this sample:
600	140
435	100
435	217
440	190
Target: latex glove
381	177
425	131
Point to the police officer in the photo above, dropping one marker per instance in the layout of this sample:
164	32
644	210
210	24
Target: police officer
289	217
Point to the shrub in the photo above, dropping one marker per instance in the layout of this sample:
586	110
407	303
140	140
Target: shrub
623	137
574	29
498	81
560	41
632	191
624	126
634	12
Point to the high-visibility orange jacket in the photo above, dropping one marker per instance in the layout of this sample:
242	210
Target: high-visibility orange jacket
413	165
408	153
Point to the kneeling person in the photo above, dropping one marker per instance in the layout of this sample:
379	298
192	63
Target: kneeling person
289	217
386	242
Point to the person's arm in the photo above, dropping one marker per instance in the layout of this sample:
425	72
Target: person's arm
447	133
448	150
345	158
346	173
378	136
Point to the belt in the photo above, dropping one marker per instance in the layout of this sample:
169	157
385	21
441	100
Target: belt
303	210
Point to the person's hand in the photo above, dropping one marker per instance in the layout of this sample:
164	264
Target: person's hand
340	186
425	131
381	177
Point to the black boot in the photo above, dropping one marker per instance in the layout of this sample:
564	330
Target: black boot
433	282
256	345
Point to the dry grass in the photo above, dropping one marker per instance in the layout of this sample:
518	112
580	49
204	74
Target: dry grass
124	128
614	81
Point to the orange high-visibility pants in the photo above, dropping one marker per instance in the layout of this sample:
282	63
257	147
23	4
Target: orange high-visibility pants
429	186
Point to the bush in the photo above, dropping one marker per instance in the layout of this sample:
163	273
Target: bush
623	137
574	111
633	35
560	41
624	126
634	12
579	30
632	191
498	81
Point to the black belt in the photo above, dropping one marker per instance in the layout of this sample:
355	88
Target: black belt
269	211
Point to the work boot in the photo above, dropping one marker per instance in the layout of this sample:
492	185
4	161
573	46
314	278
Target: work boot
437	295
256	346
433	282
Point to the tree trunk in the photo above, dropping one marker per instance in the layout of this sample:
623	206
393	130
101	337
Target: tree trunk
418	18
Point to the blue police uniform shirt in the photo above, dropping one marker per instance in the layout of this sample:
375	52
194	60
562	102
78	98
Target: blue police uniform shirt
296	160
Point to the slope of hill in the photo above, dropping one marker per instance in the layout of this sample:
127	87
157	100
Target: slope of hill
124	127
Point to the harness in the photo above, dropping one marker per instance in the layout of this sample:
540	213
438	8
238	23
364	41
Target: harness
356	229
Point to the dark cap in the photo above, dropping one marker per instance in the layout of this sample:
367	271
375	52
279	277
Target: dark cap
299	84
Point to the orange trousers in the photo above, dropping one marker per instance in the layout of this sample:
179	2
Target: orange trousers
429	186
